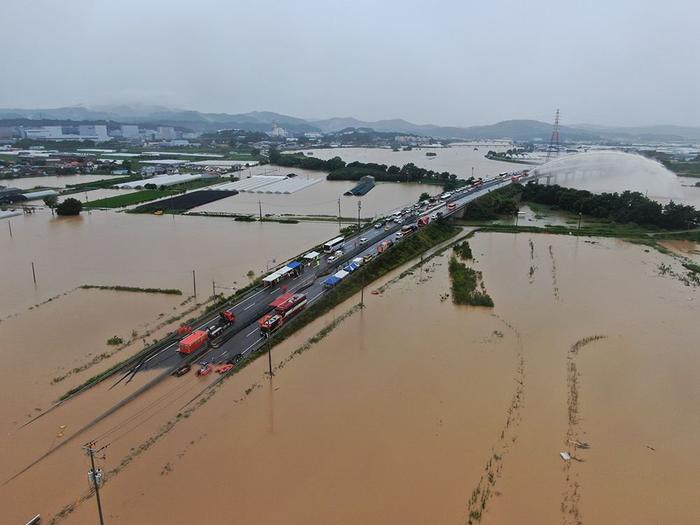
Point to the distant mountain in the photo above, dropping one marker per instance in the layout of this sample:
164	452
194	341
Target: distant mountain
159	115
508	129
519	130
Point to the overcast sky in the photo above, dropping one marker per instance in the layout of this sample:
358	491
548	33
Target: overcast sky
626	62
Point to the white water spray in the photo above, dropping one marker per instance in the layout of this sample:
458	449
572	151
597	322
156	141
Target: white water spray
613	171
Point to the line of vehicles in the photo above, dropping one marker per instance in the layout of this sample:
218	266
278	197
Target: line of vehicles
289	305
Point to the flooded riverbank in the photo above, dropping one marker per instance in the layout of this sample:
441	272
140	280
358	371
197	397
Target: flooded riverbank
414	395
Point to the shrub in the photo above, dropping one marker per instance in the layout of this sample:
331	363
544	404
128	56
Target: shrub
69	206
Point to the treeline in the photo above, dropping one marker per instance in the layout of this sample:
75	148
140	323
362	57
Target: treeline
625	207
338	170
503	201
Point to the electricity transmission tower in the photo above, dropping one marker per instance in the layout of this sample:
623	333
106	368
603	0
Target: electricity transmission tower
554	141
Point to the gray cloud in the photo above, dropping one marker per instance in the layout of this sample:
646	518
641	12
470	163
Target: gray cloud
451	62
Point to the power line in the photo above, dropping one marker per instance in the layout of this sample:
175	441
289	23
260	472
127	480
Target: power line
95	476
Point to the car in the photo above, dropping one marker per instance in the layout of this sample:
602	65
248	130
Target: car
378	225
399	235
235	359
433	216
368	257
331	259
182	370
387	228
363	240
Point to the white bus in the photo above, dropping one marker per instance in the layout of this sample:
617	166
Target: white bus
333	244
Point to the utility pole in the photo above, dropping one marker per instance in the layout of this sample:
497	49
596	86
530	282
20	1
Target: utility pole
260	209
33	273
362	293
269	355
339	226
472	172
579	220
9	225
359	207
194	284
213	289
95	477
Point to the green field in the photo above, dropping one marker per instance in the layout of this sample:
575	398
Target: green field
119	201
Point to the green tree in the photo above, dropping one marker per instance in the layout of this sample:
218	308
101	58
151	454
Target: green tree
51	201
273	155
69	206
424	196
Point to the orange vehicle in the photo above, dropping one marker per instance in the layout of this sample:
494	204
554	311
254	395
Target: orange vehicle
286	307
193	342
384	246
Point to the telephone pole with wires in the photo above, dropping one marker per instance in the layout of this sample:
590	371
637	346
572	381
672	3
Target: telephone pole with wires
95	475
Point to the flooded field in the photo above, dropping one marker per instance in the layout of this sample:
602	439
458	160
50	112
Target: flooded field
690	192
467	407
109	248
93	195
457	159
321	198
52	181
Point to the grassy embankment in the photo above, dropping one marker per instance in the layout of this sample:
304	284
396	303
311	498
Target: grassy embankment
396	256
120	288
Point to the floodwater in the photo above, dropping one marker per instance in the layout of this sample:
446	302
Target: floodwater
51	339
321	198
109	248
457	159
93	195
52	181
413	405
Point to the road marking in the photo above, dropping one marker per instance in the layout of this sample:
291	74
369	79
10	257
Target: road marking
249	306
251	346
251	333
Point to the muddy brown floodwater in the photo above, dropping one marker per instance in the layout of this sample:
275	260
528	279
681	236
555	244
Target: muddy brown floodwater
108	248
414	410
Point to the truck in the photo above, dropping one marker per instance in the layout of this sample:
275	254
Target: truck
285	308
451	206
408	229
193	342
384	246
423	221
219	329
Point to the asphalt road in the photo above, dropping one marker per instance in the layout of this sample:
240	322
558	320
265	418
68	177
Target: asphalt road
249	309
